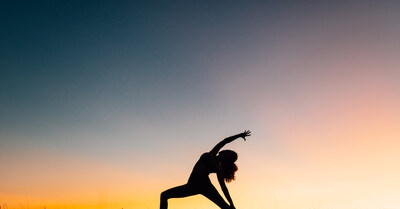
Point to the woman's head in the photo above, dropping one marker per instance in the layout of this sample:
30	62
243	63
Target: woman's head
228	166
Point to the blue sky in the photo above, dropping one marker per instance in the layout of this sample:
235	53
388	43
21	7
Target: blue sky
76	65
138	83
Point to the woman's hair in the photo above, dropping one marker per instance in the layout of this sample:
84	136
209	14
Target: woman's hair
228	166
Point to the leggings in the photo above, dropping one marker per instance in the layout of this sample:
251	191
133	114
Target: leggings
194	186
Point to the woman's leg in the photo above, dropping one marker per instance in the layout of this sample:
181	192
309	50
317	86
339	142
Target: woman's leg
179	191
212	194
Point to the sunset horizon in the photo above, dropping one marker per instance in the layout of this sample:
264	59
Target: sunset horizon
106	104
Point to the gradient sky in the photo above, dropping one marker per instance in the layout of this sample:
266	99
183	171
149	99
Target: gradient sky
104	104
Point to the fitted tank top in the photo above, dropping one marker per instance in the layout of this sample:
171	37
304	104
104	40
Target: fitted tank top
205	165
209	162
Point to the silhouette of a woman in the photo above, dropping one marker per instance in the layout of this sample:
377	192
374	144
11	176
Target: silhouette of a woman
222	163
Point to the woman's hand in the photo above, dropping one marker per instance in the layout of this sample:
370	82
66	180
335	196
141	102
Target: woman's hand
227	140
244	134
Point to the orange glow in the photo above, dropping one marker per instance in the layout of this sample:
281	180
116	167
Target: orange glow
340	154
320	93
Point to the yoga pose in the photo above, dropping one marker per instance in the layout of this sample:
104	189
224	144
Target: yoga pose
220	162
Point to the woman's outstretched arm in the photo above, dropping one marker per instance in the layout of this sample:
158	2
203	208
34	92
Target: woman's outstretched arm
217	147
225	190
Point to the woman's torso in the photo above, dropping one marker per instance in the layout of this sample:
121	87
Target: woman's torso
205	165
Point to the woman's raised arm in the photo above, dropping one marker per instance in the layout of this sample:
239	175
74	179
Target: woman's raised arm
227	140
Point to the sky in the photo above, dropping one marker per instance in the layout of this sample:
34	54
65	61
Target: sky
105	104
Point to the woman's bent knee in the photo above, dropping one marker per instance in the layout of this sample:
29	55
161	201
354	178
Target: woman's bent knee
164	195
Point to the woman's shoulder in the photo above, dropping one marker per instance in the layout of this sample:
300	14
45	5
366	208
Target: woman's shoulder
209	158
210	161
206	154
